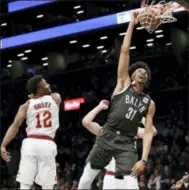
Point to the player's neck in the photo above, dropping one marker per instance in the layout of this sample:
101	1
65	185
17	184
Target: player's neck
37	96
138	88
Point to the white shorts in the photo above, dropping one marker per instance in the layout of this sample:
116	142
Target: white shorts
37	162
109	182
129	182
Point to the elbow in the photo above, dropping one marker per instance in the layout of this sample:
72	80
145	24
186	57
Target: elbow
149	133
86	123
154	132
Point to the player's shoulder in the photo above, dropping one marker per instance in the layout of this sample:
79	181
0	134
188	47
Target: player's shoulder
56	95
146	98
152	102
146	95
25	105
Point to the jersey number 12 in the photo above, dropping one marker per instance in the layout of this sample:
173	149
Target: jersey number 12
131	113
45	119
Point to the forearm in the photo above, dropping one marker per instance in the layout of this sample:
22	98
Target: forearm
94	128
147	141
88	123
91	115
11	133
128	36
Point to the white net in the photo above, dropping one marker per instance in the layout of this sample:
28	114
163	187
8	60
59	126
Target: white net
154	15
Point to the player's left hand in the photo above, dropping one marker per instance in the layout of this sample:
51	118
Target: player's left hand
138	168
104	104
5	155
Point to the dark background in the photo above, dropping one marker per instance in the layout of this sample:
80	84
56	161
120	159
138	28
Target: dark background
76	72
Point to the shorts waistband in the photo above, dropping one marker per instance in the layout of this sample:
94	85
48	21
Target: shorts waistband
110	173
42	137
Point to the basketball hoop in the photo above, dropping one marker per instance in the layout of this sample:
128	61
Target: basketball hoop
154	15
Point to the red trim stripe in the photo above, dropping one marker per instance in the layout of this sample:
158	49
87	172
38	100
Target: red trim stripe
42	137
110	173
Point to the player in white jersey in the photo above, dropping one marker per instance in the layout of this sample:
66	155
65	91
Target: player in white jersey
109	179
38	150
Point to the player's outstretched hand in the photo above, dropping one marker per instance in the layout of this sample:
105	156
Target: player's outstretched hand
138	168
5	155
104	104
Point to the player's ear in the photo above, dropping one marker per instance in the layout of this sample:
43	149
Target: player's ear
40	90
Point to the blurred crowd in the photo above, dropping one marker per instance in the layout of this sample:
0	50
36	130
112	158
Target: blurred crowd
168	160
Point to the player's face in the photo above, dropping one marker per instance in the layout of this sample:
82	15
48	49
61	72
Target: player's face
140	75
44	88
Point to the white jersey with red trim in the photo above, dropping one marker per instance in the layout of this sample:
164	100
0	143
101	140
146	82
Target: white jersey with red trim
42	116
111	166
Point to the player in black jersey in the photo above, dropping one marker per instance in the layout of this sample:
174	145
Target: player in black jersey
117	138
88	122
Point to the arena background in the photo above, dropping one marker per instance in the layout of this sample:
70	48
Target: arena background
75	45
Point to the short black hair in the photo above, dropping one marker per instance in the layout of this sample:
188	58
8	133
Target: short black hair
142	65
33	84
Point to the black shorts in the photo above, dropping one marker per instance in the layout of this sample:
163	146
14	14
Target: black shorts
110	144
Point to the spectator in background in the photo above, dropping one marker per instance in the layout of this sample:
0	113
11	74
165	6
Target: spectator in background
187	138
148	170
154	182
162	148
142	182
74	185
175	151
166	178
159	165
142	185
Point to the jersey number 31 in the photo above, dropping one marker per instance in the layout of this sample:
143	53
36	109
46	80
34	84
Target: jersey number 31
44	119
130	115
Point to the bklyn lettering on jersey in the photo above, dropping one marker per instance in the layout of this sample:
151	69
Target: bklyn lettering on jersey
134	101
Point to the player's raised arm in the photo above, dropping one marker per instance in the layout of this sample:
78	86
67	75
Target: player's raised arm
88	122
13	130
123	78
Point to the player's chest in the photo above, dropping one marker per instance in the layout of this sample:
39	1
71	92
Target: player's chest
139	103
132	103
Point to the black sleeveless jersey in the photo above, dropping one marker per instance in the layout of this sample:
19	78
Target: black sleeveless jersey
126	111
